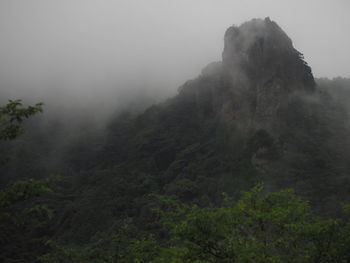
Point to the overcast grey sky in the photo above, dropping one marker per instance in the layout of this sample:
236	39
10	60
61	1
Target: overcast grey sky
96	45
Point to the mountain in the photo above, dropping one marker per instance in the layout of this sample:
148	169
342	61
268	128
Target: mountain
263	68
256	116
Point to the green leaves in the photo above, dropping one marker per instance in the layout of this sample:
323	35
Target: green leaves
12	115
22	213
260	227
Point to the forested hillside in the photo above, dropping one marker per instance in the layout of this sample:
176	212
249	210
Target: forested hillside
165	184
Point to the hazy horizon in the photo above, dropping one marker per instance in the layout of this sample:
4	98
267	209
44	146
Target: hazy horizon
90	49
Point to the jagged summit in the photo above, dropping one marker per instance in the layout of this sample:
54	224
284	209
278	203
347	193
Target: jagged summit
260	73
262	50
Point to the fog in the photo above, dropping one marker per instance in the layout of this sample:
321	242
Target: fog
103	54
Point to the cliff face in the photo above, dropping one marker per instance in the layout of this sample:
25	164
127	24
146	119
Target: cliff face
262	51
264	105
259	72
255	116
262	55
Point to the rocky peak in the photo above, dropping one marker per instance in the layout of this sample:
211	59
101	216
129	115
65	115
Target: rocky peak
262	51
259	75
263	71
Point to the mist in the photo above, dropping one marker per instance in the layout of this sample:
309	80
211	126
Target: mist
104	54
158	115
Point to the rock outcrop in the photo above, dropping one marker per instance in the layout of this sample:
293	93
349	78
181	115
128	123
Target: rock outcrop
259	58
259	73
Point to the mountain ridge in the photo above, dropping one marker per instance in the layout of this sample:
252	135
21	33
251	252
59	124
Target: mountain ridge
259	107
256	117
261	67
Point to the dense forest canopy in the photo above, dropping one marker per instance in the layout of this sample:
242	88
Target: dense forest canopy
199	177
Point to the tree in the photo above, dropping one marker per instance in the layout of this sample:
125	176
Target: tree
266	228
261	227
12	116
21	213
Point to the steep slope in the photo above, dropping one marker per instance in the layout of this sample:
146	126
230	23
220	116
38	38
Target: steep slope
256	116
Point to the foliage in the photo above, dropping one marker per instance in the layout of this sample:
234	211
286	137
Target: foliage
22	215
186	149
21	212
272	227
11	117
259	227
125	245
